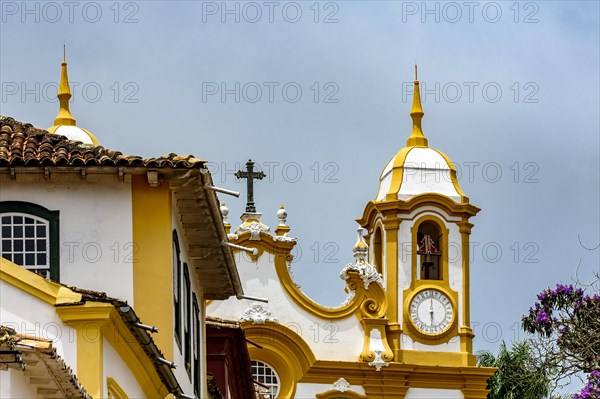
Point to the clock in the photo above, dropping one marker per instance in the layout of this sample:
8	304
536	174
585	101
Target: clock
431	312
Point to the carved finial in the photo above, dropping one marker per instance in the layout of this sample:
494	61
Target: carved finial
282	228
361	248
224	211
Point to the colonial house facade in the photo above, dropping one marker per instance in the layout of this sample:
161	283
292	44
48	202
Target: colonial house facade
107	261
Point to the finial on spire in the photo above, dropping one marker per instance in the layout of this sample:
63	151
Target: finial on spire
417	138
64	95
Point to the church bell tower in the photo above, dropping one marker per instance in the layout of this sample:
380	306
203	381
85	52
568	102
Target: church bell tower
418	234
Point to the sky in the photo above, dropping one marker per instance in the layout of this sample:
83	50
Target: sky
318	94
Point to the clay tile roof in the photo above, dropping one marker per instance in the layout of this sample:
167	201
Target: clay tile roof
37	358
22	144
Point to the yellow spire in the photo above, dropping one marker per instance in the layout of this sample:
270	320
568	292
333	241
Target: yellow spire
64	95
417	138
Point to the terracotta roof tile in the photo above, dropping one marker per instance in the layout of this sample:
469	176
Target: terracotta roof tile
22	144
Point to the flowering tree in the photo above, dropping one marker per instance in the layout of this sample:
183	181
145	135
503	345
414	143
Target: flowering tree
567	321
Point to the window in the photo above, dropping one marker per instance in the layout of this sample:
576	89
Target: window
196	345
29	237
262	372
428	244
114	390
378	251
187	308
177	288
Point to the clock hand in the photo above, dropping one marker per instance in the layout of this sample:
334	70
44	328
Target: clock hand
431	311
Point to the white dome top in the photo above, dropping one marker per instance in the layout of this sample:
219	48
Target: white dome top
418	170
74	133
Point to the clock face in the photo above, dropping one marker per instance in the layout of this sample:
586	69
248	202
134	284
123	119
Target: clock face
431	312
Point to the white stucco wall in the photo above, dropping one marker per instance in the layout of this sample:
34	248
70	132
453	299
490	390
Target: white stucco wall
426	393
115	368
95	227
340	339
32	316
306	391
15	385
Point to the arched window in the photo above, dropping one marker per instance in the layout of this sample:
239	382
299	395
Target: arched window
428	248
29	237
378	250
177	288
264	373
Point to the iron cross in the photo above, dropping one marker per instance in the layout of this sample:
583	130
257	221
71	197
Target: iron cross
250	174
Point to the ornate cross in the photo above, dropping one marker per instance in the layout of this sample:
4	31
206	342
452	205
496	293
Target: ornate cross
250	174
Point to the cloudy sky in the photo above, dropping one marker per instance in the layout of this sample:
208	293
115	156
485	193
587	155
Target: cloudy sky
318	94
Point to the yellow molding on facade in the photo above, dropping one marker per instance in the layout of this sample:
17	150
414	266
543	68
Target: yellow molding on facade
420	336
397	174
152	265
35	285
94	321
395	380
370	324
334	394
365	303
466	342
389	208
90	359
283	349
114	390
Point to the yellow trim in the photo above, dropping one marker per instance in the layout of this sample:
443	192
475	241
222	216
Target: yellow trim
90	359
94	321
397	174
417	138
35	285
283	349
412	330
466	333
369	325
64	117
152	234
64	94
395	380
334	394
370	303
453	175
417	286
446	204
114	390
443	247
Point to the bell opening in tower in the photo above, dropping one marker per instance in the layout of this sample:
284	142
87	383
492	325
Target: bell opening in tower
428	242
378	250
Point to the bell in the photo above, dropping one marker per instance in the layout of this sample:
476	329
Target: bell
428	260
